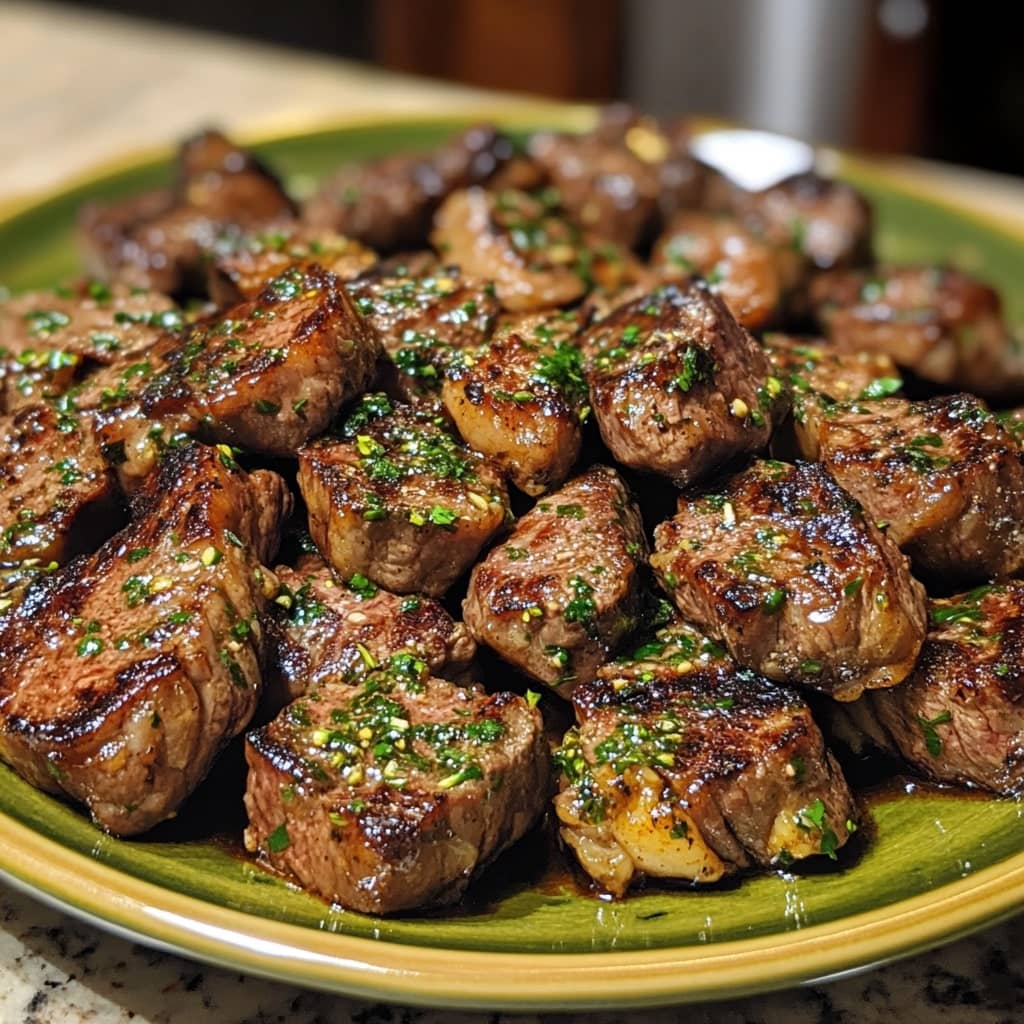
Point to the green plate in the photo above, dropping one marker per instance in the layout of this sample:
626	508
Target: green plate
934	866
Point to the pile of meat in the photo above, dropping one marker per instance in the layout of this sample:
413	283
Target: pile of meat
282	467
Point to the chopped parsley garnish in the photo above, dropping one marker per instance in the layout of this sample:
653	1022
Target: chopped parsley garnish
932	740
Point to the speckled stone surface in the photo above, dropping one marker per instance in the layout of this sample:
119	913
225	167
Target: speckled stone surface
56	970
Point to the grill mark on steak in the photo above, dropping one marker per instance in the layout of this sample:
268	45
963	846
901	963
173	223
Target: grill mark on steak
677	385
328	630
125	673
944	475
685	766
398	499
395	795
782	565
560	594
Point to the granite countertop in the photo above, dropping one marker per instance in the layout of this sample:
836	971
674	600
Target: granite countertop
111	86
54	968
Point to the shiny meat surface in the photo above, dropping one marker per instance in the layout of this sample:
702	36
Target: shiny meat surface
685	766
560	594
331	630
944	325
123	675
944	477
388	203
678	387
398	499
271	373
395	795
782	565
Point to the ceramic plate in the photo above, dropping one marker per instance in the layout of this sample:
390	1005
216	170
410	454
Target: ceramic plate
935	866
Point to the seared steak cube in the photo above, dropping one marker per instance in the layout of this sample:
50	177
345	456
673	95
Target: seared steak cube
939	322
944	476
397	499
271	373
959	716
737	266
413	304
330	630
388	203
781	564
58	497
395	795
158	240
242	264
519	240
677	385
93	322
123	675
521	402
685	766
560	594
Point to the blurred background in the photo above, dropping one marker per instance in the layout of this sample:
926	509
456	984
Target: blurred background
938	78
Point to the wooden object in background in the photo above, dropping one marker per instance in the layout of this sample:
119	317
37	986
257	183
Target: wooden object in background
569	49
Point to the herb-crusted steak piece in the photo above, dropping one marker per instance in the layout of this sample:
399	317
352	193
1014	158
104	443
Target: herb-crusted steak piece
736	265
519	240
399	500
562	592
92	322
782	565
521	402
158	240
412	304
959	717
939	322
334	631
271	373
388	203
944	475
677	385
123	675
243	264
58	498
685	766
395	795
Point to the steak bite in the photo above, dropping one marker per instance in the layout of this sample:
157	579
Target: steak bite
410	304
677	385
123	675
388	203
944	476
945	326
619	179
273	372
562	592
781	564
397	499
334	631
242	264
92	322
395	795
685	766
736	265
814	223
525	245
521	402
959	717
58	498
158	240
